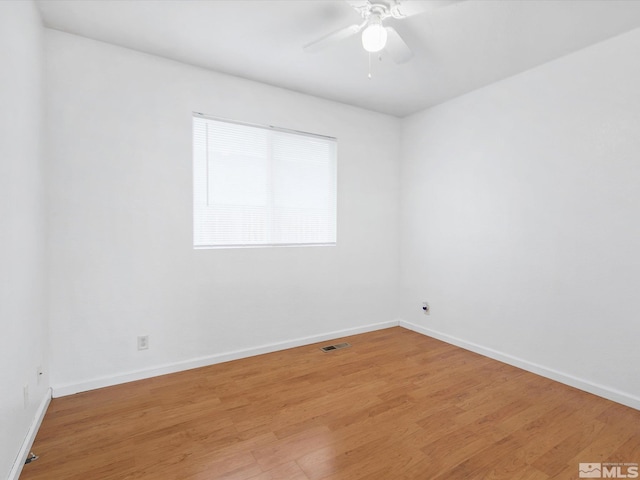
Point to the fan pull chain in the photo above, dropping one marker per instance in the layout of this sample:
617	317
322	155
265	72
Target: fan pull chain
379	59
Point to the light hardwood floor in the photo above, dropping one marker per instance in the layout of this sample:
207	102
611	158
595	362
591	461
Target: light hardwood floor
396	405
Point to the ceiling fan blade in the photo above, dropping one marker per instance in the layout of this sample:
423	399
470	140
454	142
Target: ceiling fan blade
408	8
331	38
396	48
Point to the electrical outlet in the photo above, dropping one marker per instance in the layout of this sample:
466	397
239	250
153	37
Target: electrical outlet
426	309
143	342
25	395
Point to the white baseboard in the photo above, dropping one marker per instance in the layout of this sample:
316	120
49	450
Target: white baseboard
71	388
31	436
580	383
567	379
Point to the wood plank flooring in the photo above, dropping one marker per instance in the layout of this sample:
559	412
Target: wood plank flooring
395	405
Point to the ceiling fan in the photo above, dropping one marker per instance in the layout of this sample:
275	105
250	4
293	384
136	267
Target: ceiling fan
375	35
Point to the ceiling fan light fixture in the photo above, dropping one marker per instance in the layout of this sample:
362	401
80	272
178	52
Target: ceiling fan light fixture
374	36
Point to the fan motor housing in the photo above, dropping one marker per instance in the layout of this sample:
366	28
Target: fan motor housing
381	8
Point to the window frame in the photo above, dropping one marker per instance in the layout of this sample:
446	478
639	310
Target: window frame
271	206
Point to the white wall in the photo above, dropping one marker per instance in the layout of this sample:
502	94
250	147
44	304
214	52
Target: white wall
520	219
23	331
120	207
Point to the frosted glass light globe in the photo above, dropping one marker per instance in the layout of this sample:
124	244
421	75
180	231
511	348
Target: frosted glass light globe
374	37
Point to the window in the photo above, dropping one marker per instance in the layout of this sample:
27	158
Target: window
261	186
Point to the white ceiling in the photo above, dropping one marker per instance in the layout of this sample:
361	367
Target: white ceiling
458	48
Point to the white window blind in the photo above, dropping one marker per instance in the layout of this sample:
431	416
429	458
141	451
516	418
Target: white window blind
261	186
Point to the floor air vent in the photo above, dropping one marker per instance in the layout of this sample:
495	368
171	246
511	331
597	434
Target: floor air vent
337	346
